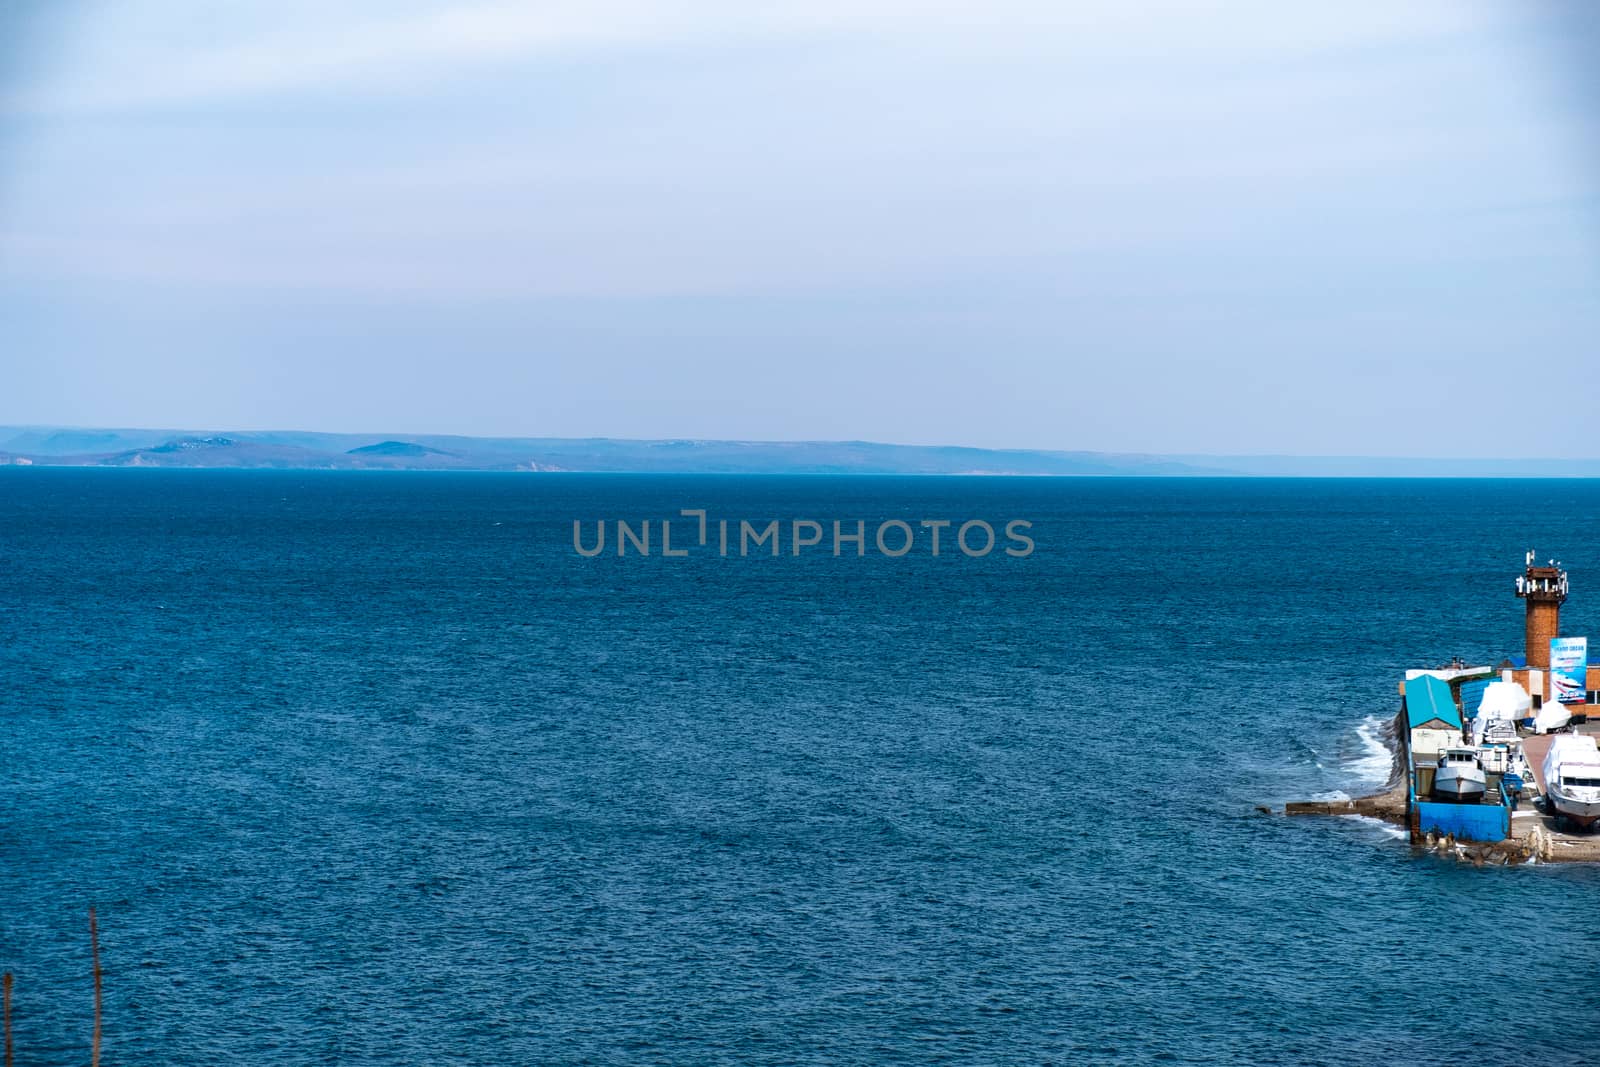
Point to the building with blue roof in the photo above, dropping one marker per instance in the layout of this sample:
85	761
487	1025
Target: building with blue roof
1432	718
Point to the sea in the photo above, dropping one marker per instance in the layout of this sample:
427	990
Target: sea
378	768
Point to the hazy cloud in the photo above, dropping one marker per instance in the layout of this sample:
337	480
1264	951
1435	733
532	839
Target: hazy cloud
1170	226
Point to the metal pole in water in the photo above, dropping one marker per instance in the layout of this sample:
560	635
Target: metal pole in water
94	949
5	984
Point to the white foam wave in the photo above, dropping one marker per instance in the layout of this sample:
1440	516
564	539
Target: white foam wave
1375	762
1387	829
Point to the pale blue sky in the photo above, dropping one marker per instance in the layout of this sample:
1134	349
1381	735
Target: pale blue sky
1356	228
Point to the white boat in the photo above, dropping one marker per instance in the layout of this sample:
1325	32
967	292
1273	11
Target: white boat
1551	717
1494	759
1503	704
1572	779
1485	732
1459	776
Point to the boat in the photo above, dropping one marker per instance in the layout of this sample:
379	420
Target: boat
1505	700
1551	717
1572	779
1486	732
1459	776
1503	704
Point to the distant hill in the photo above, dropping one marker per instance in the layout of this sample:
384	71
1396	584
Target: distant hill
48	441
48	446
292	450
395	448
213	451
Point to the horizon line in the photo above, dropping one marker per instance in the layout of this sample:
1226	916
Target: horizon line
385	436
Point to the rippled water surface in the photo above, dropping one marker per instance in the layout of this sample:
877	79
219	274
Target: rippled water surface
374	768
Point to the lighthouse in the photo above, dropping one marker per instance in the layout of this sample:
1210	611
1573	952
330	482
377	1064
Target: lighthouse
1543	587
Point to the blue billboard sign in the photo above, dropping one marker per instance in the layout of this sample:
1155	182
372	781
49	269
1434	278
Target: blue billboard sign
1569	668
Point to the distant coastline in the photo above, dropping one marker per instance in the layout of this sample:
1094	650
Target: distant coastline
54	446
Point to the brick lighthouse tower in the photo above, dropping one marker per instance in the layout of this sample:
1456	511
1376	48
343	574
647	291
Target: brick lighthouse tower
1544	588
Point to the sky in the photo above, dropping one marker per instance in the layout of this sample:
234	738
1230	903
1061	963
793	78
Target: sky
1250	227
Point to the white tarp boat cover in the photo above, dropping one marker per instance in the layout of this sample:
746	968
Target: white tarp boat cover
1553	716
1568	748
1505	700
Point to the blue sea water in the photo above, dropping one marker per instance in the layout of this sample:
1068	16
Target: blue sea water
375	769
